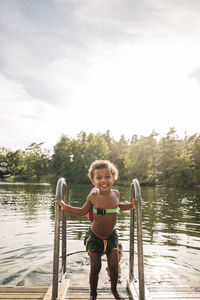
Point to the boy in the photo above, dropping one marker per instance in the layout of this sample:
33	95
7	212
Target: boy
101	237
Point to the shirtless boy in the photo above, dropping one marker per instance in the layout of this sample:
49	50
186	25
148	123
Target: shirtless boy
101	237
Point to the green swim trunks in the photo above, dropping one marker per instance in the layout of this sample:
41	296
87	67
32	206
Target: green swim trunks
94	244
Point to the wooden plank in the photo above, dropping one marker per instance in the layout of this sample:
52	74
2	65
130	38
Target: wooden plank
132	290
63	289
76	293
22	292
23	289
176	293
48	294
173	289
86	296
21	296
133	287
106	296
175	296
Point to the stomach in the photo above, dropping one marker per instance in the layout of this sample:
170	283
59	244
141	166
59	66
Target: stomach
103	226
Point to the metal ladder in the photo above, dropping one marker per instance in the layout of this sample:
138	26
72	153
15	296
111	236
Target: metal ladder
137	290
135	192
61	194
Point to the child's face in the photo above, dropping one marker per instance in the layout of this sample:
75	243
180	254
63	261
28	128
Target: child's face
103	179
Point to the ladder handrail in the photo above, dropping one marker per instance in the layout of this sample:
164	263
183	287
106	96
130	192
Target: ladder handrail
132	236
135	191
61	194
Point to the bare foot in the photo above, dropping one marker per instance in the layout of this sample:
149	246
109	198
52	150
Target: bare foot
117	295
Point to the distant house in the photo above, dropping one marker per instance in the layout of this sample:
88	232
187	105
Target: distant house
4	172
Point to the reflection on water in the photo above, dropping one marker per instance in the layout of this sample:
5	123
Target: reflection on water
171	236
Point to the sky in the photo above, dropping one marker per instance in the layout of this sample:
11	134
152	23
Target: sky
128	66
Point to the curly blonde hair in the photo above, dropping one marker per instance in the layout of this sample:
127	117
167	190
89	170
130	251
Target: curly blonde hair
102	164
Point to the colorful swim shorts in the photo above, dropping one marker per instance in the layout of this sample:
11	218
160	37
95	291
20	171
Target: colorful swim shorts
94	244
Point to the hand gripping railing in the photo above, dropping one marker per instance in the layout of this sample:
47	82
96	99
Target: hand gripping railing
61	194
135	192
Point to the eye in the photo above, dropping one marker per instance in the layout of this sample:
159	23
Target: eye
108	177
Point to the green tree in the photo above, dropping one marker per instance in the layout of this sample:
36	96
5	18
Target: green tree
194	152
72	157
3	153
36	161
168	150
62	159
170	161
117	154
16	162
140	159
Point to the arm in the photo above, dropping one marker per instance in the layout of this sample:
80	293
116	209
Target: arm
128	206
77	211
125	206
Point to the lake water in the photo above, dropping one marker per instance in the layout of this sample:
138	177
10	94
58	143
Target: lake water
171	235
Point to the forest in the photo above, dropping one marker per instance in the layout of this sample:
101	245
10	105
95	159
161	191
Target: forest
169	161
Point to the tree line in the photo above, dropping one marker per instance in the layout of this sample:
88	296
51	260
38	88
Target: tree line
170	160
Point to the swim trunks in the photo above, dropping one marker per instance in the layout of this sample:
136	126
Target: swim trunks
94	244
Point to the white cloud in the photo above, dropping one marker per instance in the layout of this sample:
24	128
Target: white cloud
22	117
97	65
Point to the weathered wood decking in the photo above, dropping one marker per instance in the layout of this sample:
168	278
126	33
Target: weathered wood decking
165	292
76	293
174	293
155	293
23	292
32	292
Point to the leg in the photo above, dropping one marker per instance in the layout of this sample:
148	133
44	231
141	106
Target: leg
113	264
95	267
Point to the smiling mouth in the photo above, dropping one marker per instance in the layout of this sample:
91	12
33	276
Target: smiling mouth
104	185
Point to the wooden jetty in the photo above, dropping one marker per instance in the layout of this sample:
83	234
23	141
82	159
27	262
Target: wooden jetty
23	292
154	293
165	292
60	288
77	293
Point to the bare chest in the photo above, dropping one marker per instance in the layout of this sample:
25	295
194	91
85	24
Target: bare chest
104	202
